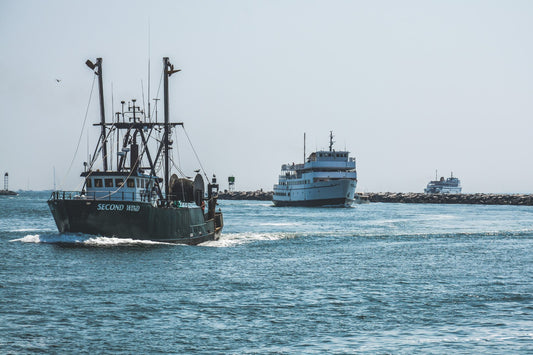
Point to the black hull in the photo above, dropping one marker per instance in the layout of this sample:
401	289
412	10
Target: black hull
135	220
334	202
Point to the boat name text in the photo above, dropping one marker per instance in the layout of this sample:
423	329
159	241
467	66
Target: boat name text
117	207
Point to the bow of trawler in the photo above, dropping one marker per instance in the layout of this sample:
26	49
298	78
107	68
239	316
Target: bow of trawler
134	200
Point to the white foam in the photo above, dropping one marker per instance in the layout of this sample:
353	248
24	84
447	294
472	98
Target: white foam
233	239
110	241
52	238
83	239
35	238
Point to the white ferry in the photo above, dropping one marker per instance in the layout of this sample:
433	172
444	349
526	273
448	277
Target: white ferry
327	178
451	185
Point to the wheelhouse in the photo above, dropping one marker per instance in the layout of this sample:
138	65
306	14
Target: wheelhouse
120	186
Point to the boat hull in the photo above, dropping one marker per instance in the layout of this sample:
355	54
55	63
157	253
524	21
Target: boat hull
334	193
331	202
134	220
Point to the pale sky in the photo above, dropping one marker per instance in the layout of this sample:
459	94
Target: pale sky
407	87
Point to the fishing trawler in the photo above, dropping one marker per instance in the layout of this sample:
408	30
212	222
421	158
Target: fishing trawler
451	185
134	201
327	178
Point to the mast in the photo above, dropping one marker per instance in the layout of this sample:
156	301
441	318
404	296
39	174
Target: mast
331	141
98	66
169	70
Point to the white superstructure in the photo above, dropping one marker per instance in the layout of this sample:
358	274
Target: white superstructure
451	185
327	178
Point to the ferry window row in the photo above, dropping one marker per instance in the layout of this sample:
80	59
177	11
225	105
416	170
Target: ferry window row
300	182
338	155
141	183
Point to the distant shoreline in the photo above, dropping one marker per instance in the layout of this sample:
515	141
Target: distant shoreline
389	197
407	197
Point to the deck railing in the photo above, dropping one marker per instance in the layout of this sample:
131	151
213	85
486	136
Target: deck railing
101	196
125	196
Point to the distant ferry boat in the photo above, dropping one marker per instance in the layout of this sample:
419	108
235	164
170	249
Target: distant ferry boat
327	178
451	185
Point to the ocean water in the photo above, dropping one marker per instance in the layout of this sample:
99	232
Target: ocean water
375	278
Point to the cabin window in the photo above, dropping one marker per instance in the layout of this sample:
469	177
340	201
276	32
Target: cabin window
131	183
108	182
142	183
119	182
89	182
98	183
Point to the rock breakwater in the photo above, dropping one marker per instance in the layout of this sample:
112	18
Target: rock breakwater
409	197
475	199
246	195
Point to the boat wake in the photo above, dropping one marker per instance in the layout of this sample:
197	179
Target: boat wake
84	240
234	239
226	240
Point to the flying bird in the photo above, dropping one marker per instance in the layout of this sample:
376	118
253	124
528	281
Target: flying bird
58	80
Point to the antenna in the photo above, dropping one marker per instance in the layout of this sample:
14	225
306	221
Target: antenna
142	90
156	108
304	147
111	135
331	141
148	70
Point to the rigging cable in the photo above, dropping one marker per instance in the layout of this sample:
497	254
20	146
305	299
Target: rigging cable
112	118
157	95
194	151
177	151
142	93
81	135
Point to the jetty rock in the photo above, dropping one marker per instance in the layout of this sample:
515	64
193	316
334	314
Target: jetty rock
258	195
404	197
475	199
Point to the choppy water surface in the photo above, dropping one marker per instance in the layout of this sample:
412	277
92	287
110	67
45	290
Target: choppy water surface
376	278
